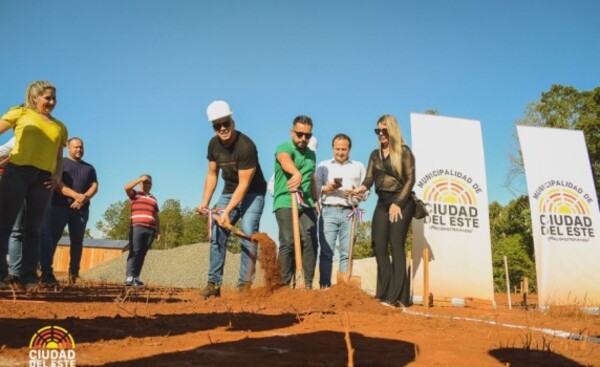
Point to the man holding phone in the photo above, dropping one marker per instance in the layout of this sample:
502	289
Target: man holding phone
336	178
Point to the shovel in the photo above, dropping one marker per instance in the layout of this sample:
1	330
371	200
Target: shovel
299	276
233	229
347	276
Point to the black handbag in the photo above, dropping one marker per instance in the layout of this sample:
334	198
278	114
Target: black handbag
420	208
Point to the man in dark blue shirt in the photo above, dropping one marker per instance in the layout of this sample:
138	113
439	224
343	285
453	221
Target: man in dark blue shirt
70	207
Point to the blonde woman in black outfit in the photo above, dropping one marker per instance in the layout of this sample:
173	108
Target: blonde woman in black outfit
392	170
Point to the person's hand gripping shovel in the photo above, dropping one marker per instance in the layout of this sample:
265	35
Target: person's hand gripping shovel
233	229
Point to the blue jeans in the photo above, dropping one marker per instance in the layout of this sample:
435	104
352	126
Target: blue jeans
57	218
333	226
140	241
249	210
23	262
20	184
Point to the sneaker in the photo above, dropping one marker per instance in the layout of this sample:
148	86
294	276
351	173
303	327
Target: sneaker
211	290
395	304
30	284
73	278
48	280
137	282
13	280
20	283
129	282
244	287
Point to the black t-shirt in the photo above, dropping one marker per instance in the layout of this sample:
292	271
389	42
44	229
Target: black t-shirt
240	155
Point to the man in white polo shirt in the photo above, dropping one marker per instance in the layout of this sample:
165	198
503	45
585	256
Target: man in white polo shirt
336	178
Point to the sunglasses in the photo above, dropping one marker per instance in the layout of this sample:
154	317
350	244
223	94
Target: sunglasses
381	131
225	124
301	134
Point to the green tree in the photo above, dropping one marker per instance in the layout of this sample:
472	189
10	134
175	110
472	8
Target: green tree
116	219
520	264
362	242
511	235
514	218
564	107
171	224
195	227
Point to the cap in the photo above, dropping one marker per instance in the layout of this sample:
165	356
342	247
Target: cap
217	110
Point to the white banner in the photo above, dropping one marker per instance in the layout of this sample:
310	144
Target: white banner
451	180
564	215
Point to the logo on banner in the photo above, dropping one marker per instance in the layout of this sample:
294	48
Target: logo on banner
451	199
564	211
52	346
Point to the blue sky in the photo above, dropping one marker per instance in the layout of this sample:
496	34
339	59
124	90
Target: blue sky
134	77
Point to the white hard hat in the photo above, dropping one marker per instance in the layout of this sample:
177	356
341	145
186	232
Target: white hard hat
217	110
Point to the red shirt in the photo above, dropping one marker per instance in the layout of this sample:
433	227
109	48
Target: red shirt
143	208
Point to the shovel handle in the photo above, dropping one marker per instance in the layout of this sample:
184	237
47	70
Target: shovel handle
299	276
350	249
236	231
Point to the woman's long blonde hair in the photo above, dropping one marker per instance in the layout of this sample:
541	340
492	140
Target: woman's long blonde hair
395	141
34	90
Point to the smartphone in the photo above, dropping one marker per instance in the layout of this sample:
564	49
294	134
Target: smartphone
338	181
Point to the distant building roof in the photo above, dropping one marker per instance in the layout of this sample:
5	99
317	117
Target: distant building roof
97	242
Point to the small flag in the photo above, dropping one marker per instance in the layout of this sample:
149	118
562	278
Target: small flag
300	199
211	220
359	214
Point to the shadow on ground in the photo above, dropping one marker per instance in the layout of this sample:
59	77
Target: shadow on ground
516	357
16	333
325	348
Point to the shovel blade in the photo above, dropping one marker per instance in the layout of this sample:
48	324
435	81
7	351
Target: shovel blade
354	280
299	280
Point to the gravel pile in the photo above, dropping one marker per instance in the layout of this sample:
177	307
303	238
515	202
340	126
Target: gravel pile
184	266
187	267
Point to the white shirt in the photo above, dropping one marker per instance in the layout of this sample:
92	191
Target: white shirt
6	148
352	174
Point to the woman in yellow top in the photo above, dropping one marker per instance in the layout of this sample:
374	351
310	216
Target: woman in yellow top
35	166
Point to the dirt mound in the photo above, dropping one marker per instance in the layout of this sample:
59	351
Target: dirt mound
267	258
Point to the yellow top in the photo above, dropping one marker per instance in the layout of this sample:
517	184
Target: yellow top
37	139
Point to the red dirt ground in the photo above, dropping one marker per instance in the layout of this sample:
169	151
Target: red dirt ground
113	326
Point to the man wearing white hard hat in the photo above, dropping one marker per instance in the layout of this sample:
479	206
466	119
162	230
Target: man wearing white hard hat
243	196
